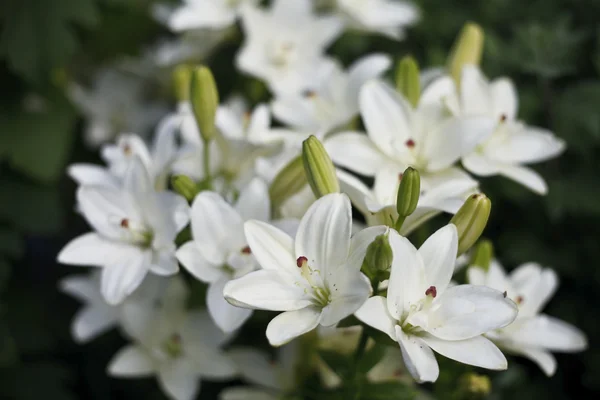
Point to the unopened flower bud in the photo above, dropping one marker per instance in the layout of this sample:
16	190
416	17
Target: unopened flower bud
471	219
483	255
408	81
289	181
466	50
379	255
408	195
319	168
205	100
185	186
182	76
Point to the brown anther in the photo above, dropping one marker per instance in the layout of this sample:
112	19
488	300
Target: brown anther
400	175
410	143
300	261
309	94
127	149
246	250
247	115
475	196
519	299
504	294
432	291
503	118
125	223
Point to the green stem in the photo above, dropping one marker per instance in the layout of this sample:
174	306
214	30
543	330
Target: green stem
399	223
206	162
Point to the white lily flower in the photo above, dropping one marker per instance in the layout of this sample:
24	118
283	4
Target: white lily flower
422	313
134	232
533	335
444	192
119	156
399	136
114	104
285	44
388	17
315	279
205	14
332	101
513	143
178	347
219	251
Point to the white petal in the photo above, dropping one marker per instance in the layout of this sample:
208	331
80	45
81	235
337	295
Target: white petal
477	351
89	249
131	361
480	165
137	177
291	324
190	256
199	326
178	380
525	144
466	311
216	227
256	367
164	263
324	233
439	256
504	98
366	68
91	322
267	290
359	244
119	280
536	285
355	189
525	176
387	117
272	248
475	92
544	359
227	317
375	313
104	208
349	294
356	152
89	174
246	393
418	357
407	284
549	333
254	202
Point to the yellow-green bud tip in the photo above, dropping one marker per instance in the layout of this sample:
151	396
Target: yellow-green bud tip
289	181
471	219
483	255
379	255
319	168
182	75
184	186
205	101
467	49
408	81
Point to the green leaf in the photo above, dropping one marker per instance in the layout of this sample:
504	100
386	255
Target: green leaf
371	358
38	142
387	391
340	364
38	37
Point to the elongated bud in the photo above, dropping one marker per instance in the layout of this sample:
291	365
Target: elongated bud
205	100
182	76
408	192
483	255
408	81
289	181
379	255
467	49
319	168
185	186
471	219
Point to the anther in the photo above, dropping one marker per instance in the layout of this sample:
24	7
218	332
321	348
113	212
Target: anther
301	261
503	118
519	299
504	294
125	223
410	143
309	94
432	291
246	250
127	149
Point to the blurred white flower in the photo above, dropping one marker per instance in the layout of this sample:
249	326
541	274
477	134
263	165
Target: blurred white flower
199	14
176	345
285	44
443	192
219	251
332	98
399	136
134	232
114	104
388	17
315	279
422	312
532	335
512	144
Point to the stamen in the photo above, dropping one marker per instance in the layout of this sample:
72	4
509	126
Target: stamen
309	94
127	149
519	299
400	176
432	291
301	261
503	118
504	294
246	250
410	143
125	223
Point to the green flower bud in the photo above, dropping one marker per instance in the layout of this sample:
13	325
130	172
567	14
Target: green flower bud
182	75
289	181
483	255
185	186
467	49
379	256
471	219
407	80
319	168
205	100
408	195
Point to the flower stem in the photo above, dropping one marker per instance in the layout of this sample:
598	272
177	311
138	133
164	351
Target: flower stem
399	223
206	163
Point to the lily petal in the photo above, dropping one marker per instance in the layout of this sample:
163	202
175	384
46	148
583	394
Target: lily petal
375	314
355	151
272	248
439	257
131	361
291	324
418	357
407	285
227	317
477	351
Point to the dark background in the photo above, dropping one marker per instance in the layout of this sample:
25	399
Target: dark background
551	48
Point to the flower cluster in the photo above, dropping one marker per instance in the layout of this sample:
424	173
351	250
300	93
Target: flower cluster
252	214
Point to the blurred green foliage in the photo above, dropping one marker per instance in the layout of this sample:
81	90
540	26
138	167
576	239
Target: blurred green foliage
551	48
